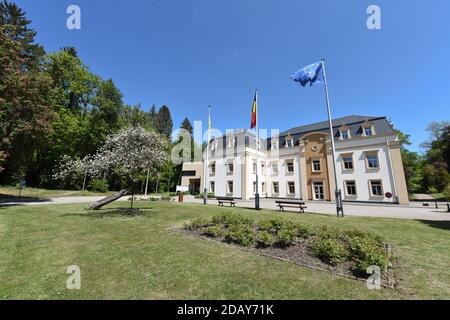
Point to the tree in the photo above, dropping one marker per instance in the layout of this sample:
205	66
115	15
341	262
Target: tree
131	151
15	28
71	50
25	110
2	160
412	163
186	125
164	123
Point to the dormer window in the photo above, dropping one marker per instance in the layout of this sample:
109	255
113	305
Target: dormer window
345	135
368	132
274	145
368	129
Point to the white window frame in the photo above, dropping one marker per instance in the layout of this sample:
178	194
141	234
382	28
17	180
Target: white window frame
346	182
212	186
289	183
278	187
228	168
288	162
229	182
313	162
348	156
371	188
275	172
347	132
367	155
211	166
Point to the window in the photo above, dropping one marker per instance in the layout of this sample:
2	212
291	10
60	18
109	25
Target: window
372	161
275	168
263	187
254	187
254	167
290	166
289	143
348	162
230	187
345	135
274	145
376	188
263	168
291	188
368	131
189	173
212	187
235	141
316	165
230	168
350	187
276	188
213	168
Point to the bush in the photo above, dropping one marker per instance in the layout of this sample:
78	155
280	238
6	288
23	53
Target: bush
213	232
165	198
367	250
98	185
197	224
243	235
285	237
271	225
446	193
264	239
232	219
330	251
303	231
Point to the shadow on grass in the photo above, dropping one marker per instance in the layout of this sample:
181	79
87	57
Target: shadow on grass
4	198
445	225
111	213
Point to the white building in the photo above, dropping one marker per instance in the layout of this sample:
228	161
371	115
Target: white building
298	164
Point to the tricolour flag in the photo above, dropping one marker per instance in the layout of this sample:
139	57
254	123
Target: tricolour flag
254	111
310	74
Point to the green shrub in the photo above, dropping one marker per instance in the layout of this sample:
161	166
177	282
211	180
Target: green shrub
446	193
197	224
231	219
285	237
166	198
213	231
241	234
271	225
330	251
264	239
367	250
303	231
98	185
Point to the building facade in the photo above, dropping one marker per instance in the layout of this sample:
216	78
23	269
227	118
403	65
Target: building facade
298	164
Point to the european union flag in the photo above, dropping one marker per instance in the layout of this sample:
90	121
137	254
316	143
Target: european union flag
310	74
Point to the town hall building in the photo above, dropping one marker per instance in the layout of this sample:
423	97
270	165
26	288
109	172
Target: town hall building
298	164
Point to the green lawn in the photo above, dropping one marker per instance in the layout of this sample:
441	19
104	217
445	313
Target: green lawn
45	193
144	258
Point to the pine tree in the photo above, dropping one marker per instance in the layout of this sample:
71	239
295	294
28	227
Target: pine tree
186	125
15	27
164	123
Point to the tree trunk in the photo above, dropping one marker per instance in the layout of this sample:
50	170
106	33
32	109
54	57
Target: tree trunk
97	205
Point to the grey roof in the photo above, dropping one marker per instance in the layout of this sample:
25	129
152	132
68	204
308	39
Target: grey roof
354	122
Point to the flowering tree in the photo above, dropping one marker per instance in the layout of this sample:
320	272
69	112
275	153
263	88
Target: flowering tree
131	152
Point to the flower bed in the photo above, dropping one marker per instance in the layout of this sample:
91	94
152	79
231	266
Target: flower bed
348	253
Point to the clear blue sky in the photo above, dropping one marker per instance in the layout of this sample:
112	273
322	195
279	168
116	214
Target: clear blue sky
189	54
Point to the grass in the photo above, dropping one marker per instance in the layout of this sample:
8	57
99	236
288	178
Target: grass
143	257
440	196
45	193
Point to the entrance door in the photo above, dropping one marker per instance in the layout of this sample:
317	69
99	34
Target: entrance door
319	192
194	186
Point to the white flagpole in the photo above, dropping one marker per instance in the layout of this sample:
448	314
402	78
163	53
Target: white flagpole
339	204
205	196
257	202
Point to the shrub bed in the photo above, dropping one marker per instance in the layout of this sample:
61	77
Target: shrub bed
350	249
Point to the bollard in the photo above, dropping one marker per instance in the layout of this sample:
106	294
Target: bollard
180	197
448	207
436	205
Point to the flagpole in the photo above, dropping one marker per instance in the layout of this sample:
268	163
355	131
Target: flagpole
205	195
339	203
257	202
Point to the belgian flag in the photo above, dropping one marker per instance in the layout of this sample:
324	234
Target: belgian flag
254	111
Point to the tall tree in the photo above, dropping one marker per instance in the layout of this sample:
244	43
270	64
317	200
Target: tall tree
186	125
16	28
164	123
25	110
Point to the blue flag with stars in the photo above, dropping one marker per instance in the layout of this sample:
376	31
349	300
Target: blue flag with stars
311	74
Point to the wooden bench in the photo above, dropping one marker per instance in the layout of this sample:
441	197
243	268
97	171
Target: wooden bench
223	200
291	204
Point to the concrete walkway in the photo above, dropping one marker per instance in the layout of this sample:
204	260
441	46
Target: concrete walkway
415	211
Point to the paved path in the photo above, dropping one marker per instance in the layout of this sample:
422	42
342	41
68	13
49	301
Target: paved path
414	211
